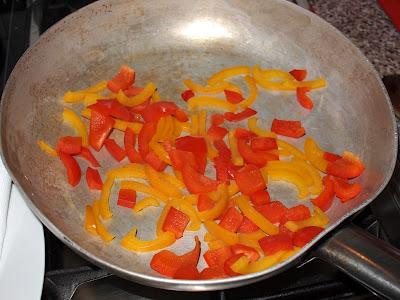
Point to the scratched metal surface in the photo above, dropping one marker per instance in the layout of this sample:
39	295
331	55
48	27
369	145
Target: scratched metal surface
167	41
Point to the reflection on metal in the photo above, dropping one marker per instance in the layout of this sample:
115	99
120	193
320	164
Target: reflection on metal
205	29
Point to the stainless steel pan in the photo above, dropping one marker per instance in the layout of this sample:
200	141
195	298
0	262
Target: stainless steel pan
167	41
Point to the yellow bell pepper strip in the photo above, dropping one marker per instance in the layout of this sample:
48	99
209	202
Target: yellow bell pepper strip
237	160
202	122
160	152
186	126
91	98
211	89
263	263
156	96
317	186
288	176
233	189
318	219
292	149
127	171
315	155
191	199
227	73
188	209
257	218
77	96
211	151
90	223
251	239
217	244
146	202
144	95
97	88
105	210
210	102
280	152
221	233
161	219
157	181
253	92
292	166
101	229
194	123
252	125
219	207
141	187
289	253
208	237
132	243
240	266
46	148
178	128
71	118
172	179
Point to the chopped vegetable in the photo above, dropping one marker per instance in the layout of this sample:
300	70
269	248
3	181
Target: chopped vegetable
299	75
246	113
250	180
123	80
72	168
93	179
126	198
176	222
303	99
233	97
46	148
288	128
305	235
114	149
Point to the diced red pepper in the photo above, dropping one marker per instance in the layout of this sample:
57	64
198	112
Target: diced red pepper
70	145
240	116
111	107
189	272
251	253
344	190
274	243
260	198
123	80
303	99
145	135
72	168
100	128
250	180
93	179
222	149
186	95
129	144
229	262
133	91
297	213
196	145
329	156
233	97
231	220
305	235
224	168
217	257
288	128
247	226
114	149
213	272
155	162
154	111
273	211
197	183
216	132
258	158
299	75
87	154
263	144
324	200
217	119
204	203
126	198
176	222
347	167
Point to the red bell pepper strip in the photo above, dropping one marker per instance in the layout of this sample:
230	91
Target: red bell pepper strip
288	128
196	145
344	190
179	158
241	133
229	262
258	158
133	91
72	167
324	200
129	144
100	128
155	162
176	222
263	144
69	145
197	183
217	119
186	95
329	156
154	111
305	235
233	97
224	168
217	257
247	226
86	154
240	116
145	135
274	243
273	211
111	107
126	198
204	203
303	99
217	132
123	80
114	149
297	213
231	220
93	179
299	75
251	253
260	198
222	149
250	180
284	230
189	272
140	108
213	272
347	167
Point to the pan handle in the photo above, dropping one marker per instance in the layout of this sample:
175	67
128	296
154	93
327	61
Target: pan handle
367	259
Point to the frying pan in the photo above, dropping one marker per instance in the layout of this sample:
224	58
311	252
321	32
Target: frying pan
167	41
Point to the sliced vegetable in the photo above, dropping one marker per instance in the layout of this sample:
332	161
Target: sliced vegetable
46	148
93	179
247	226
155	111
221	233
288	128
72	168
100	128
231	220
263	144
258	158
186	95
273	211
324	200
197	183
210	102
299	75
129	144
216	132
249	252
233	97
344	190
297	213
114	149
126	198
250	180
70	117
240	116
176	222
260	198
303	99
305	235
273	243
123	80
146	202
132	243
111	107
87	154
217	257
347	167
204	203
90	224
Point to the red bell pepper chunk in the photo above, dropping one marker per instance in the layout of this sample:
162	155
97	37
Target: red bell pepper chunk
217	257
344	190
229	262
263	144
233	97
305	235
70	145
114	149
217	119
87	155
347	167
222	149
247	226
284	230
154	111
274	243
188	265
299	75
213	272
260	198
329	156
176	222
324	200
145	135
129	144
288	128
297	213
93	179
197	183
216	132
273	211
140	108
133	91
111	107
186	95
250	180
100	128
72	168
189	272
196	145
204	203
126	198
123	80
224	168
251	253
155	162
240	116
258	158
179	158
231	220
241	133
303	99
